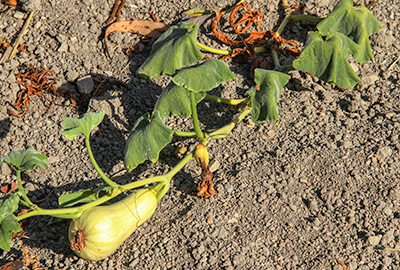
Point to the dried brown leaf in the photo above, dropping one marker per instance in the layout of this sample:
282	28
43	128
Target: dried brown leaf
16	265
142	27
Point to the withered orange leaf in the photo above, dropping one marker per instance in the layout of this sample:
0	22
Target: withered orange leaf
11	2
13	265
9	188
142	27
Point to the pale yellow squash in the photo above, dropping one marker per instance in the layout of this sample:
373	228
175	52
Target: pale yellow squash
101	230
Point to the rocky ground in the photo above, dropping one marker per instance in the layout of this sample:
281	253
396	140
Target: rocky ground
319	188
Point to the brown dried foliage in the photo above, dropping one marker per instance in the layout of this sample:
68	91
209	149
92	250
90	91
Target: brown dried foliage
37	83
206	186
151	29
247	19
116	12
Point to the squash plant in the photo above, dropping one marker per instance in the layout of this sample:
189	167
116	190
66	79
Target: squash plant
176	52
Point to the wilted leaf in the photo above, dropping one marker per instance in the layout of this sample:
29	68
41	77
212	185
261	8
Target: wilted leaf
204	77
327	59
173	50
82	196
8	222
146	28
148	137
84	125
358	23
142	27
24	160
176	100
265	97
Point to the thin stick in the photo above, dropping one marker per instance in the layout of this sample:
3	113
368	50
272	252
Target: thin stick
21	35
392	64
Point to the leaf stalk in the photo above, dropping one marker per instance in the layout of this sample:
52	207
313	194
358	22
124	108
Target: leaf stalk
196	124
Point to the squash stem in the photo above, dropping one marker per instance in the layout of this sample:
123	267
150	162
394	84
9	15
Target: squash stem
196	124
97	167
233	102
164	190
143	182
72	212
224	131
190	134
29	203
276	59
213	50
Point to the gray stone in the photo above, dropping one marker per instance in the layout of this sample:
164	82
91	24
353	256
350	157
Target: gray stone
313	206
387	210
387	237
238	260
228	188
85	85
63	47
368	80
214	165
384	152
19	15
374	240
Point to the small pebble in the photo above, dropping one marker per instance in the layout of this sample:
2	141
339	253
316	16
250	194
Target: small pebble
313	206
228	188
85	85
374	240
214	165
19	15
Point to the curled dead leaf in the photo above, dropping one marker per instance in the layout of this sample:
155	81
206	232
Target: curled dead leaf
206	186
146	28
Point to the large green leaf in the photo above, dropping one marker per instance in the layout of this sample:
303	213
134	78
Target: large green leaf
174	49
25	160
84	125
148	137
265	97
176	100
358	23
8	222
328	59
204	76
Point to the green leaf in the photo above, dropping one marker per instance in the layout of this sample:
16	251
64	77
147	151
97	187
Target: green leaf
84	125
328	59
358	23
148	137
174	49
82	196
204	76
25	160
176	100
264	101
8	222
